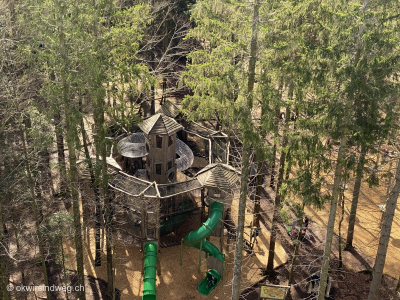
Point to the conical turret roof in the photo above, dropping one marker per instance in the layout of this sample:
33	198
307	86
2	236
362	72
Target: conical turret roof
160	124
219	175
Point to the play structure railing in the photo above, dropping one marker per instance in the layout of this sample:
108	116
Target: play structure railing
136	187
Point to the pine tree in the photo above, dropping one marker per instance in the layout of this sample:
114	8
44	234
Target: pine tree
364	81
384	237
215	75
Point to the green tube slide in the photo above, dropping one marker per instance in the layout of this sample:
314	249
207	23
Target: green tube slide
150	268
150	250
197	239
196	236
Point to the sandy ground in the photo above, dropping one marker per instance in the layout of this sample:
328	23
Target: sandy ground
367	230
178	282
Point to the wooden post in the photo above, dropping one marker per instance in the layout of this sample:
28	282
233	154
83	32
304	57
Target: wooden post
210	151
202	205
222	238
143	223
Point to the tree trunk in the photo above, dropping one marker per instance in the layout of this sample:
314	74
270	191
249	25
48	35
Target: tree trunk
108	215
338	172
257	198
276	135
153	87
278	197
297	247
259	181
247	122
332	215
385	237
218	125
60	153
97	214
35	209
60	144
272	181
71	138
73	178
63	263
23	281
288	165
101	159
153	100
109	249
240	227
341	204
4	293
354	202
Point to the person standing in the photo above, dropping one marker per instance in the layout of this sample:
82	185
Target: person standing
305	221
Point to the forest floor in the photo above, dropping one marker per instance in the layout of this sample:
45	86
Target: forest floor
177	282
352	281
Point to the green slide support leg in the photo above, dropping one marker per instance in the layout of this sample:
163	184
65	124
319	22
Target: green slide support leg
150	270
197	237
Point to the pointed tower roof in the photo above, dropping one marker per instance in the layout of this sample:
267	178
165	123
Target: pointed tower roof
220	176
160	124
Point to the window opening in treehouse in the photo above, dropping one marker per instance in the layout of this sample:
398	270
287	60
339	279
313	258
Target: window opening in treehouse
147	147
170	141
159	141
158	169
170	165
217	195
171	176
150	233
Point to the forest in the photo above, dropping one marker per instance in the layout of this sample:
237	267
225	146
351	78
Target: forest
193	149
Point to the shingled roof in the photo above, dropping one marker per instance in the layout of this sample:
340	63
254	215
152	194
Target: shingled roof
220	176
160	124
169	109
